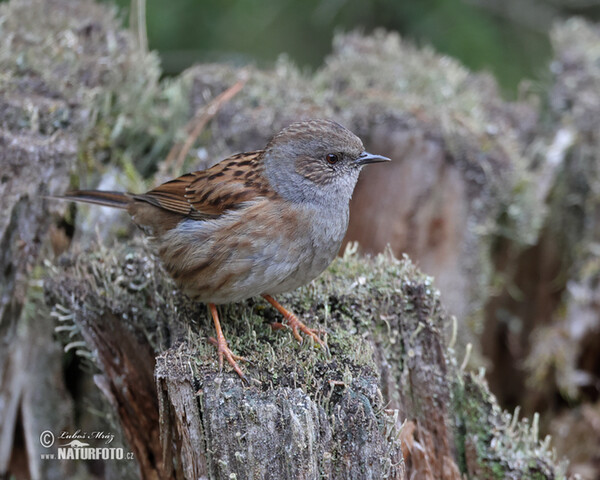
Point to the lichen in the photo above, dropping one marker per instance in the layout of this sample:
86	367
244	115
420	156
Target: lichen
492	443
130	280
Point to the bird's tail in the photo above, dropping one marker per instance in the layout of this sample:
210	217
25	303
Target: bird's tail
99	197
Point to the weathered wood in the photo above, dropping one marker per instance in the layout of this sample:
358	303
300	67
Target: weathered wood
127	366
182	435
35	156
561	354
277	433
306	416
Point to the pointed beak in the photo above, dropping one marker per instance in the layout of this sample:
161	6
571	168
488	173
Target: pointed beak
367	157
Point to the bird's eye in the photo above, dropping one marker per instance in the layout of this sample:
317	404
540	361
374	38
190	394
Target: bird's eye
332	158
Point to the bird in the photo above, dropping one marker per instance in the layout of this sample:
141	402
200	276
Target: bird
258	223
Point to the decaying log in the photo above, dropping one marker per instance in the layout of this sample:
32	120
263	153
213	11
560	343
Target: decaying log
28	355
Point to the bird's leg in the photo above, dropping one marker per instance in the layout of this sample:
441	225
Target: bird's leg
222	348
295	324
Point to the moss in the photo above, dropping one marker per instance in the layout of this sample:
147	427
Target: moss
494	444
573	107
341	302
483	134
129	282
99	85
88	76
127	118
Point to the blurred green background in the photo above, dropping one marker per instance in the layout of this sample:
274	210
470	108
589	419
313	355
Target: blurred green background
509	38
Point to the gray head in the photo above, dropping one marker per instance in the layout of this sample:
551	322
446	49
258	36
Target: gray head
316	161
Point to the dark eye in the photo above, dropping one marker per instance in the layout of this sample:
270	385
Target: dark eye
332	158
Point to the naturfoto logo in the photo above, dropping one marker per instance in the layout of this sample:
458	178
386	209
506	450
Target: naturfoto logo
80	446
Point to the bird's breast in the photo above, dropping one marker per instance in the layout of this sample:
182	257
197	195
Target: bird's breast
321	241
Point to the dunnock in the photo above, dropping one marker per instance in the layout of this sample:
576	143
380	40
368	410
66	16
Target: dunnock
257	223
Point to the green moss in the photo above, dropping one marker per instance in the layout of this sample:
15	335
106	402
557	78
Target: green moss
504	445
129	281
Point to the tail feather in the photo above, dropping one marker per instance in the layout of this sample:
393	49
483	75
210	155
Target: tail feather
99	197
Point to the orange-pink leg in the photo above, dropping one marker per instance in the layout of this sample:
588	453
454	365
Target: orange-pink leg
222	348
294	323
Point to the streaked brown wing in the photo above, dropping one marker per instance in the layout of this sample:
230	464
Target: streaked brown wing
208	193
170	195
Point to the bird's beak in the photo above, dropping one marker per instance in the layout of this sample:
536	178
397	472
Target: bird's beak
367	157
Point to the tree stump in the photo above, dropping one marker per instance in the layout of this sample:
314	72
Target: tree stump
305	414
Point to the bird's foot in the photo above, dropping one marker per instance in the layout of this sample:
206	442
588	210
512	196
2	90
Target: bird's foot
223	349
295	324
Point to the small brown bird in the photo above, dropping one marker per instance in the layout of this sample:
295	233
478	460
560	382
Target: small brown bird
257	223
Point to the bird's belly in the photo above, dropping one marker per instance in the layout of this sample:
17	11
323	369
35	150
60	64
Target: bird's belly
305	272
290	267
226	266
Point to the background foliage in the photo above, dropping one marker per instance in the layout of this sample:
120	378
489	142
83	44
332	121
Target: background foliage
506	37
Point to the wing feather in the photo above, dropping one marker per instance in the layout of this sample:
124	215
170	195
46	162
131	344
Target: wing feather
209	193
